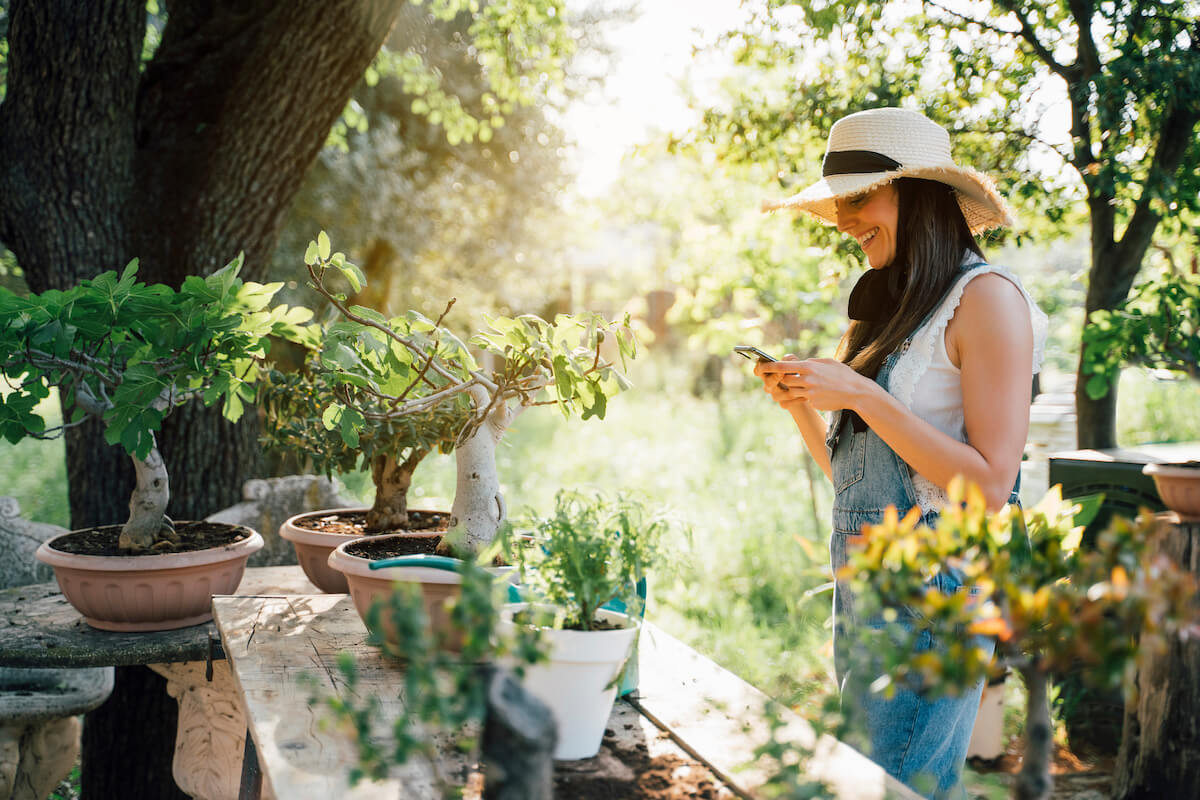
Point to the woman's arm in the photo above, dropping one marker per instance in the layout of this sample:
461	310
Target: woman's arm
811	424
991	340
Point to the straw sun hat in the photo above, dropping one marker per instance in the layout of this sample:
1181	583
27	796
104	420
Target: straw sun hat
874	147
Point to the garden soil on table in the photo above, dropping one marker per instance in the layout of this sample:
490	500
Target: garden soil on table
619	773
199	535
354	523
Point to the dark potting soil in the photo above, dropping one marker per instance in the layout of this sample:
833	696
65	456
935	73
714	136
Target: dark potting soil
198	535
527	618
354	523
665	777
376	549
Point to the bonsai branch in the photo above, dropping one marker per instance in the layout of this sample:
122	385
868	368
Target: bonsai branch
387	331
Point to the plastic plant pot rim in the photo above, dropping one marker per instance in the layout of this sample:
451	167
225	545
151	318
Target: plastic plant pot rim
162	561
1172	470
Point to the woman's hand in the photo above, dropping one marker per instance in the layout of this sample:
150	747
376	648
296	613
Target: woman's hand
824	383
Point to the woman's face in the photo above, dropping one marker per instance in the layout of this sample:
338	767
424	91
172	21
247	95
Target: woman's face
871	218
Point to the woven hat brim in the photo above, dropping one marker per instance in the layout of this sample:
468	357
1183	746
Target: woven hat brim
982	206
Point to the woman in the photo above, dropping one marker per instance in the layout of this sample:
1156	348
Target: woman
932	380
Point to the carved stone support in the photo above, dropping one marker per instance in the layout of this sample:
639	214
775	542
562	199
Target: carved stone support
35	757
211	736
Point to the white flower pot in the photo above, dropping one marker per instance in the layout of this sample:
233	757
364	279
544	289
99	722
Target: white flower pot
578	682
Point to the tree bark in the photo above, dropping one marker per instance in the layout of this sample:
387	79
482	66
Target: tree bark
392	481
132	762
1160	743
1034	781
148	503
479	508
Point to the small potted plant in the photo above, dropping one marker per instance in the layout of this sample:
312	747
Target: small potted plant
1049	604
589	552
128	353
413	374
1158	327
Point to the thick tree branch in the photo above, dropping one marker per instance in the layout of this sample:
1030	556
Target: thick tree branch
1029	35
1178	132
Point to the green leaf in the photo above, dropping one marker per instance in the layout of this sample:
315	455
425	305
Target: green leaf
311	255
332	416
1097	386
323	246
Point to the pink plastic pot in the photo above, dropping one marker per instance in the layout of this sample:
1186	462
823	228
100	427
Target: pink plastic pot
152	592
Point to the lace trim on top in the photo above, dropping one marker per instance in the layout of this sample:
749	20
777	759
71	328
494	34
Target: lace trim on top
913	363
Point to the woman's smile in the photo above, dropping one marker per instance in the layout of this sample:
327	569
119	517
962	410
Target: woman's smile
871	218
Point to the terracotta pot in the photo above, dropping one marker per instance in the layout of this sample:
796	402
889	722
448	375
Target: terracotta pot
149	593
1179	488
314	547
368	586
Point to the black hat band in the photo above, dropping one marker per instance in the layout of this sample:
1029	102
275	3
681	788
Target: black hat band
856	162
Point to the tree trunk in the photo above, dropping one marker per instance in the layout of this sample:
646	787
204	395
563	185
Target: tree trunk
1160	744
131	761
392	481
147	504
1109	281
1034	781
479	508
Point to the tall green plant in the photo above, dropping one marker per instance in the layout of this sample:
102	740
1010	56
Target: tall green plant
128	353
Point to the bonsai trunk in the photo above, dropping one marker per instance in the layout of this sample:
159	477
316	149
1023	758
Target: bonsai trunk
392	481
147	504
1034	781
479	507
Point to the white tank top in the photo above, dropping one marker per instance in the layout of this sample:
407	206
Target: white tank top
926	382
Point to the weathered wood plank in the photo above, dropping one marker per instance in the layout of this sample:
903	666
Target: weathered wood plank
720	719
38	628
272	642
284	651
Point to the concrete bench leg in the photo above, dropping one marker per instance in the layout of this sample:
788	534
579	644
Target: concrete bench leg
211	738
35	757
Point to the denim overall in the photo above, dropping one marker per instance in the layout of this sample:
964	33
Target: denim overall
916	740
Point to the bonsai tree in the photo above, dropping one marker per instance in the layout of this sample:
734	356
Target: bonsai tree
412	372
342	426
1049	603
127	353
1158	326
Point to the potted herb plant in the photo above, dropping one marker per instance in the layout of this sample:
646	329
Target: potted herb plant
1049	604
412	373
128	353
1158	327
589	552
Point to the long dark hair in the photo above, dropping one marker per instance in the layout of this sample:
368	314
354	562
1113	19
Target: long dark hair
931	236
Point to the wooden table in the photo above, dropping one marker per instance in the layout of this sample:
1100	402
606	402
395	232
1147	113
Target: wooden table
283	651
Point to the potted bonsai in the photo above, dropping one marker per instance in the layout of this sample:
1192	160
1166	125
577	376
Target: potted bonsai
1158	326
589	552
299	408
412	373
1049	603
127	353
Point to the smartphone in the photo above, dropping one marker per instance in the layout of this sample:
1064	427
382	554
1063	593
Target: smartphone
753	353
